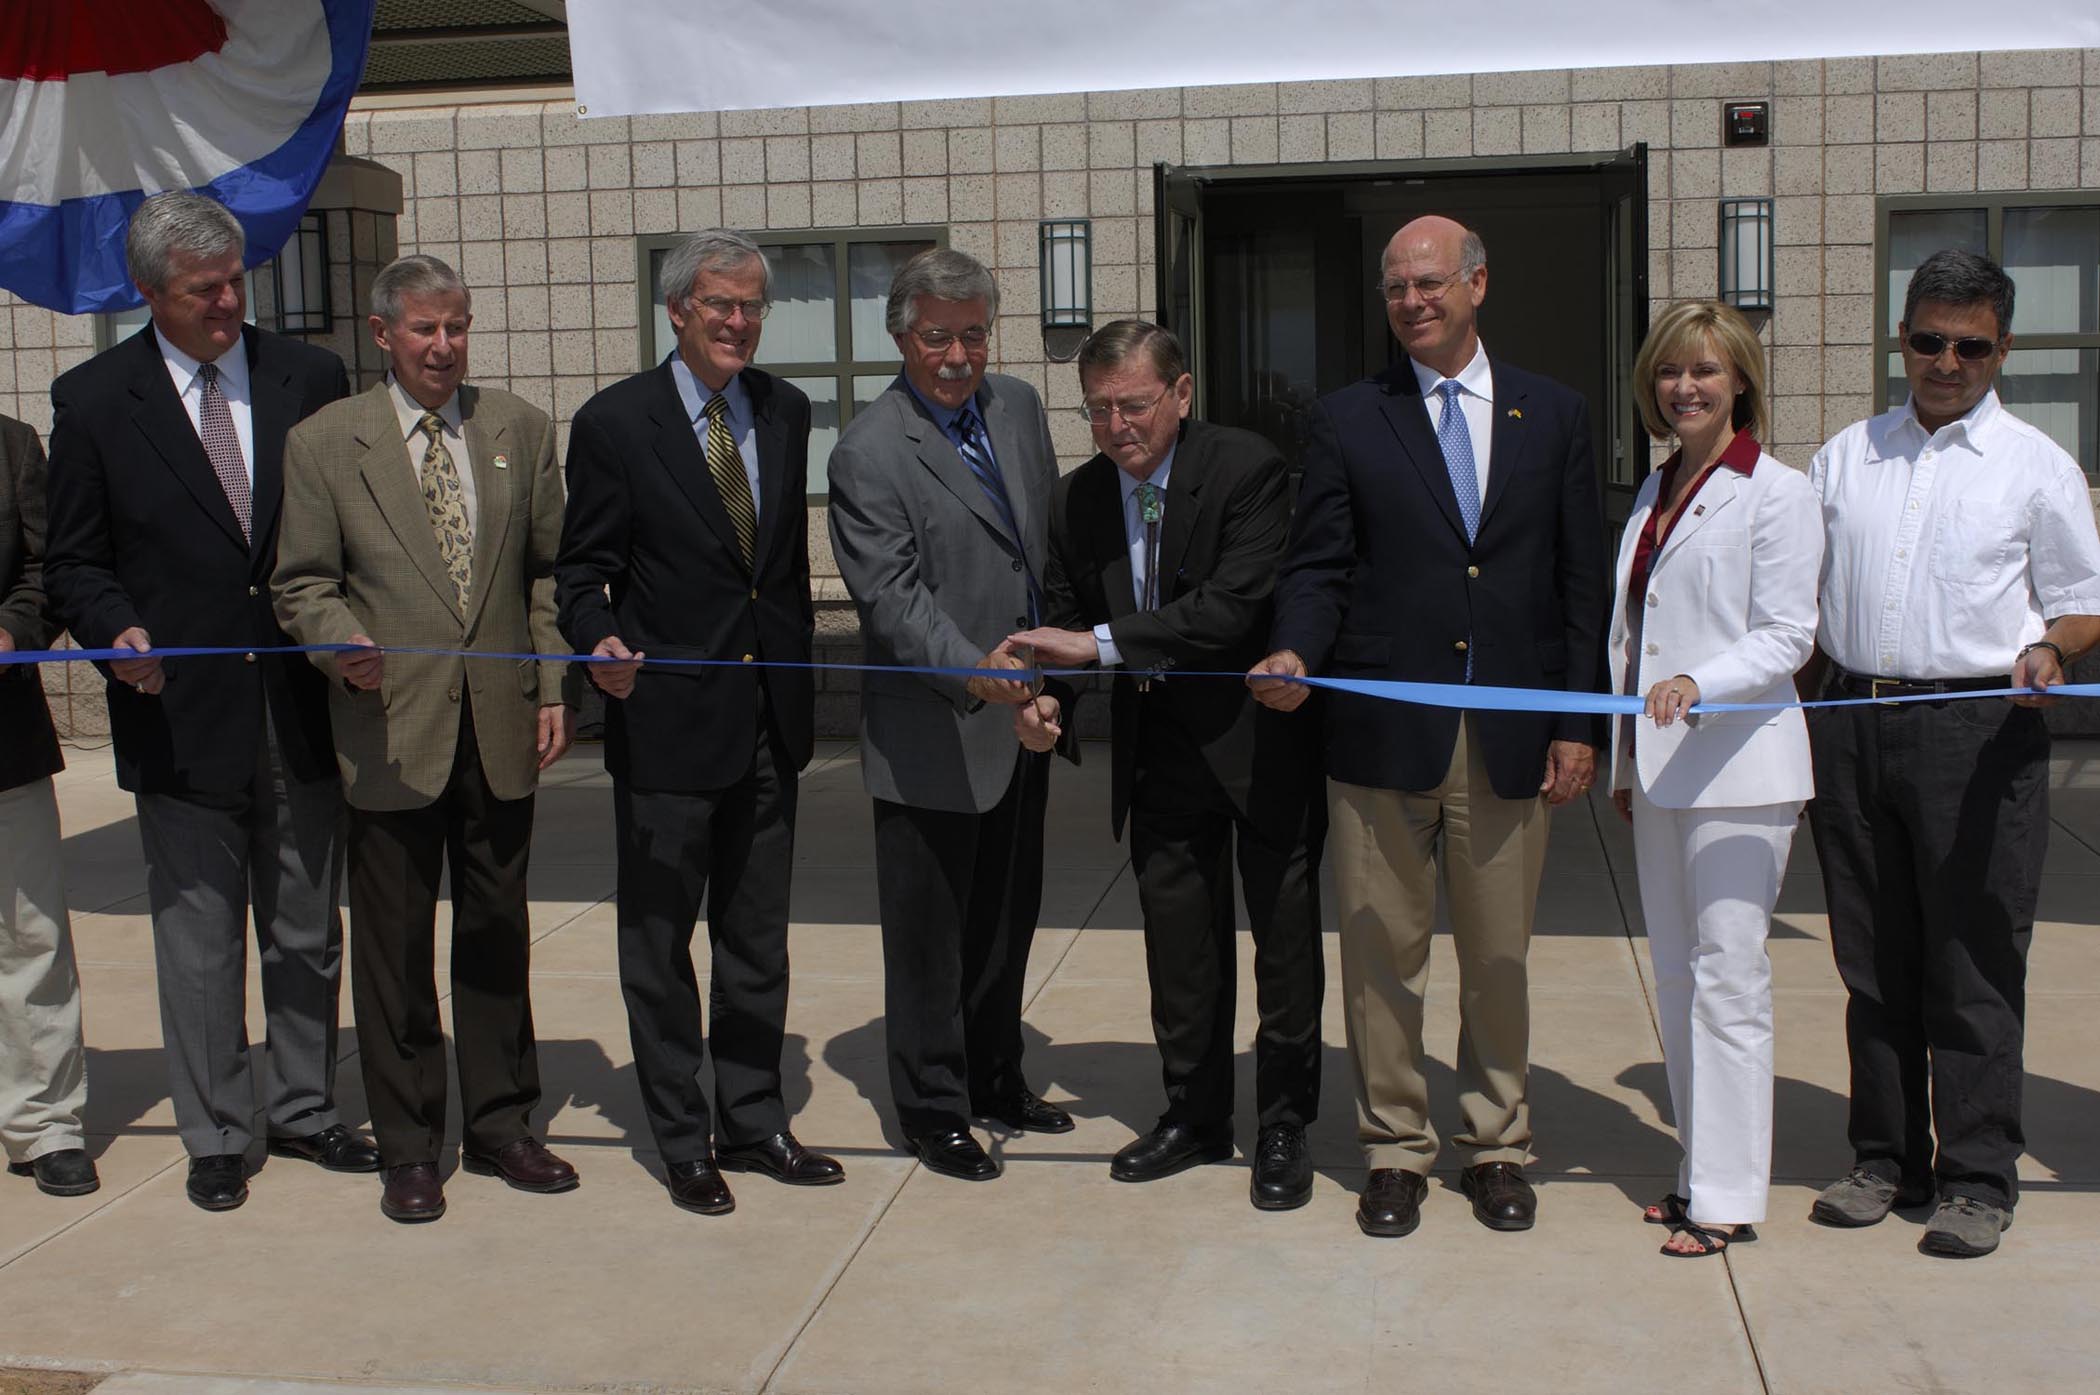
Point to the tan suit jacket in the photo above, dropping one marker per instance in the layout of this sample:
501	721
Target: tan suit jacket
356	553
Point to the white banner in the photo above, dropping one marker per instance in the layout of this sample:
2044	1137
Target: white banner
635	56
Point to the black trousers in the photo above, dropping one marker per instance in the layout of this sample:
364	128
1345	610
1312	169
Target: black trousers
959	895
1930	820
1184	830
397	858
734	849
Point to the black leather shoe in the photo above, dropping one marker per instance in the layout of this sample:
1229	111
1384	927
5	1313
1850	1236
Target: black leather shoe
698	1186
525	1164
783	1159
413	1193
1168	1149
1502	1199
218	1182
955	1155
335	1148
1392	1203
1283	1174
67	1172
1026	1112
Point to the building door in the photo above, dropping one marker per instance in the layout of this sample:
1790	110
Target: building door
1268	275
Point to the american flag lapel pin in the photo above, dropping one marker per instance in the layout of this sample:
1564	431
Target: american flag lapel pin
503	462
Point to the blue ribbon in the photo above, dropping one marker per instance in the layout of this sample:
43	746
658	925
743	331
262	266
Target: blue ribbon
1471	697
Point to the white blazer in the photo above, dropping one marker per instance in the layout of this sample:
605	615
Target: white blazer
1731	603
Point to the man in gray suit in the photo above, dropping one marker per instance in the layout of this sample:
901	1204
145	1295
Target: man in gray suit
940	493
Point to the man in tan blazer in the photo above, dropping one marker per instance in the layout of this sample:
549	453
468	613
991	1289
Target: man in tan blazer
425	514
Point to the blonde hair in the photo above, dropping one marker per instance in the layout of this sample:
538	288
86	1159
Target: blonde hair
1681	333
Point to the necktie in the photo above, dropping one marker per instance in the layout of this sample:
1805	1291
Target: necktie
1457	444
976	451
1149	514
222	446
447	503
726	464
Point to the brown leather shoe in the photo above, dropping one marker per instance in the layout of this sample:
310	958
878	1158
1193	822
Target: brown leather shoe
784	1159
413	1193
1502	1199
1392	1203
698	1186
525	1163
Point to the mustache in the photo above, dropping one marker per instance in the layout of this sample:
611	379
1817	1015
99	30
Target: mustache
951	373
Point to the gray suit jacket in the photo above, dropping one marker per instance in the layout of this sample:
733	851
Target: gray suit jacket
356	553
922	550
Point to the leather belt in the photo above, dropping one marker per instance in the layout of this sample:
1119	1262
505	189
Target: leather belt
1866	686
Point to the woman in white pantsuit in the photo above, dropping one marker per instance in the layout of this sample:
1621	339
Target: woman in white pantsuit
1716	602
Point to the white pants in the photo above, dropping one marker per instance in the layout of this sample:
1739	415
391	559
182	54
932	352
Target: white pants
43	1066
1709	878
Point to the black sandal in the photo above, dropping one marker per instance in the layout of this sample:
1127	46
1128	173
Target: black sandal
1709	1239
1669	1211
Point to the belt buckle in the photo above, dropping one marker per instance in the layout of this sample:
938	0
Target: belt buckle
1875	685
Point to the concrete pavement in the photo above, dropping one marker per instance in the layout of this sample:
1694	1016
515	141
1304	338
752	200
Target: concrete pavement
1053	1278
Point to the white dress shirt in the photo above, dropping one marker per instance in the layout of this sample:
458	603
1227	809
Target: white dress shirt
410	413
1949	551
233	385
695	394
1476	402
1134	539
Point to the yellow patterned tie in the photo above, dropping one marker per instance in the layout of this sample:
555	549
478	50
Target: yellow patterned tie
727	466
447	503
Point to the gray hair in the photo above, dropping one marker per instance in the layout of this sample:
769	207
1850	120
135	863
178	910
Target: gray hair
944	274
1472	253
717	249
1955	277
1118	341
178	222
413	275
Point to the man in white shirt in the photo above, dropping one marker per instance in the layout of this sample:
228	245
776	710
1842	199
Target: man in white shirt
167	470
1962	556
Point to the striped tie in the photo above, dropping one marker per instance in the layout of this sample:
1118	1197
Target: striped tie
726	464
976	450
1457	444
222	446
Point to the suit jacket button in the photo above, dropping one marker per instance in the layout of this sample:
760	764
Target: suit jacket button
1472	571
1459	647
452	694
1017	564
1021	622
250	658
255	590
754	593
747	658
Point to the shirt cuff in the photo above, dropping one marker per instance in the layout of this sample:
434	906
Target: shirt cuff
1111	657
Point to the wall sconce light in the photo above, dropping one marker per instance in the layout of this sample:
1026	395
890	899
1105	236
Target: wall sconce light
299	278
1068	286
1746	253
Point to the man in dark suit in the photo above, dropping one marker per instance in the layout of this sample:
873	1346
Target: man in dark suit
687	536
940	489
167	468
43	1062
1163	553
1448	530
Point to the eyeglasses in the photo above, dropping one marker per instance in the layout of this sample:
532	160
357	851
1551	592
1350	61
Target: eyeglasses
1132	412
938	340
1430	288
1972	347
721	307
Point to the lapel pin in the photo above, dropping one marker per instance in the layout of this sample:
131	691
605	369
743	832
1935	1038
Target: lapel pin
1516	414
503	462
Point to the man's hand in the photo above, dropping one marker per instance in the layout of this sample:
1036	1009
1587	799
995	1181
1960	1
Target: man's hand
1037	723
1055	648
7	641
1672	698
143	674
1622	800
1266	681
1570	766
557	730
614	680
1004	690
362	668
2037	668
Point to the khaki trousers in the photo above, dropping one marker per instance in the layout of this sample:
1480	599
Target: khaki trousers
43	1063
1384	846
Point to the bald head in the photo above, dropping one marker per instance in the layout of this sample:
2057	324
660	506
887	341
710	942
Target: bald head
1434	276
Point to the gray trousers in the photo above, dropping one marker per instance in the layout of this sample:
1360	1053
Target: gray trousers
276	848
43	1066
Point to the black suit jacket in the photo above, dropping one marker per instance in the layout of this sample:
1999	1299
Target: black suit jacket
648	553
1380	582
142	534
28	745
1228	512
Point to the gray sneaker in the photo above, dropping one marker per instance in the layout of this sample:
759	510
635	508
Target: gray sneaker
1964	1227
1862	1198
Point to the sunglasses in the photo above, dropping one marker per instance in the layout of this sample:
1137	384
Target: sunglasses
1932	345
